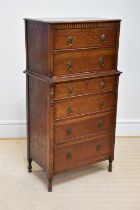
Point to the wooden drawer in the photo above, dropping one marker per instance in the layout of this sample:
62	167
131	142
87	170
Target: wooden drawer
93	60
85	105
69	130
72	154
81	38
87	86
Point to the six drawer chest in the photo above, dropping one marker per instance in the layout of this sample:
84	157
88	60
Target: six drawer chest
71	89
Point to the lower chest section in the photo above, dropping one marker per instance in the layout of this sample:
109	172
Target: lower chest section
84	121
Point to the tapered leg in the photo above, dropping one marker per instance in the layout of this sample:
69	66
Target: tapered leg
110	165
49	185
30	165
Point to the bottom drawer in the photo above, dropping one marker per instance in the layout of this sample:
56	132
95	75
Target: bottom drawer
72	154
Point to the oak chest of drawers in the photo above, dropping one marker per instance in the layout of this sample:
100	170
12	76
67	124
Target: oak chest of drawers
72	87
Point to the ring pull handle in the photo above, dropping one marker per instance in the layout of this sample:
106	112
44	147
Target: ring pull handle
69	155
69	66
69	131
103	37
70	90
100	124
102	85
70	40
102	104
98	147
101	61
69	109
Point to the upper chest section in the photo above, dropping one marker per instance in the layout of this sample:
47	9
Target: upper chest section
85	34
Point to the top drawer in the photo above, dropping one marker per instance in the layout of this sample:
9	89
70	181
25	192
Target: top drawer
82	38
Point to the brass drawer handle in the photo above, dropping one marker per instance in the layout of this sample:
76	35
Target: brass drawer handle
101	104
101	61
69	66
98	147
70	40
100	124
70	90
69	131
103	37
102	85
69	109
69	155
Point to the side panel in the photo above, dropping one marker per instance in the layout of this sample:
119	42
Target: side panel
39	107
113	139
38	121
38	47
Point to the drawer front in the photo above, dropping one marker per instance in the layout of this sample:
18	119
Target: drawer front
87	86
93	60
69	155
80	38
68	130
84	105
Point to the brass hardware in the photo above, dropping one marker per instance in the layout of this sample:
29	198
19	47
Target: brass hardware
102	104
69	109
101	61
100	124
102	85
70	90
103	37
70	40
69	131
69	155
98	147
69	66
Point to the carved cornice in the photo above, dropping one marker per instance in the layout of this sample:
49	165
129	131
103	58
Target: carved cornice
59	26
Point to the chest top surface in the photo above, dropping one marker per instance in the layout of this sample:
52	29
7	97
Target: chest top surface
72	19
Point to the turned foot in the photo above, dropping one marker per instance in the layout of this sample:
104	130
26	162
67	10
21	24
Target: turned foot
30	166
110	165
49	185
